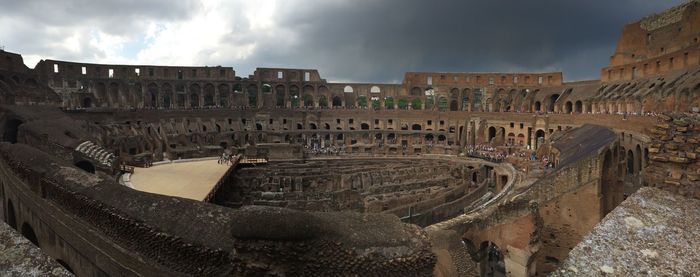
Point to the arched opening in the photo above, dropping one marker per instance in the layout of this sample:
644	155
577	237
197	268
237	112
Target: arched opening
579	106
630	162
511	139
611	195
258	127
252	95
538	106
364	126
279	96
337	102
539	138
454	106
308	100
323	101
11	219
403	104
65	265
194	100
552	100
416	127
362	101
11	130
492	262
87	102
28	232
637	159
442	104
348	89
429	138
492	133
568	107
85	165
416	104
388	102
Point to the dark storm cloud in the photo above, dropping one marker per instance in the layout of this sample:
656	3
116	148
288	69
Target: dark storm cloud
351	40
377	41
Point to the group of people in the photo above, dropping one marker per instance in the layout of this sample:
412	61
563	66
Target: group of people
316	149
226	158
486	152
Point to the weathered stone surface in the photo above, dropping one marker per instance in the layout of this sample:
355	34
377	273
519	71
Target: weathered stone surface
19	257
647	235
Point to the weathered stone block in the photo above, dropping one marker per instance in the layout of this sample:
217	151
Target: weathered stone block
676	159
671	146
658	158
679	139
653	150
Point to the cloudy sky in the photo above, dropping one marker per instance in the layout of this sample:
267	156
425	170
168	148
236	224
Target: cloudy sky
347	40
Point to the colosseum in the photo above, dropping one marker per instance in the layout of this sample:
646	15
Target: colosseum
140	170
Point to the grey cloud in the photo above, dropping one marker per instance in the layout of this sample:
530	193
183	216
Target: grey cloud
379	40
364	40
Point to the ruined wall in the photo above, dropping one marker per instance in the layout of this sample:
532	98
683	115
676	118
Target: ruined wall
673	154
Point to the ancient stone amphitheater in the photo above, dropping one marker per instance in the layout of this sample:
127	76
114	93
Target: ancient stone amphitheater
443	174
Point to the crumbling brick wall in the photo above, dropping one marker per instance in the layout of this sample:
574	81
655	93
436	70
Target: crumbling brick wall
673	154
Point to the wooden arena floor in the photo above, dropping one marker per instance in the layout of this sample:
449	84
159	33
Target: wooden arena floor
193	180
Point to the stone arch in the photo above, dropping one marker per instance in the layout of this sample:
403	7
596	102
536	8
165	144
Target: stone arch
492	133
454	105
167	95
337	101
492	262
348	89
152	100
308	100
538	106
568	107
280	96
86	102
194	95
539	138
323	101
364	126
294	96
638	158
579	107
114	94
611	194
552	100
442	103
630	162
28	232
11	130
86	166
416	104
224	95
375	89
11	218
416	127
416	91
65	265
389	103
252	95
209	95
266	88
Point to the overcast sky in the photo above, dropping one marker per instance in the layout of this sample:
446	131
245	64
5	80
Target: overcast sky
346	40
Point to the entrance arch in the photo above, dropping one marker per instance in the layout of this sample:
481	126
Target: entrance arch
492	133
11	130
492	261
87	166
539	138
28	232
11	219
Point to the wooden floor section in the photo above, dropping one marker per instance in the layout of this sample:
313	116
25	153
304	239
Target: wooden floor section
193	180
